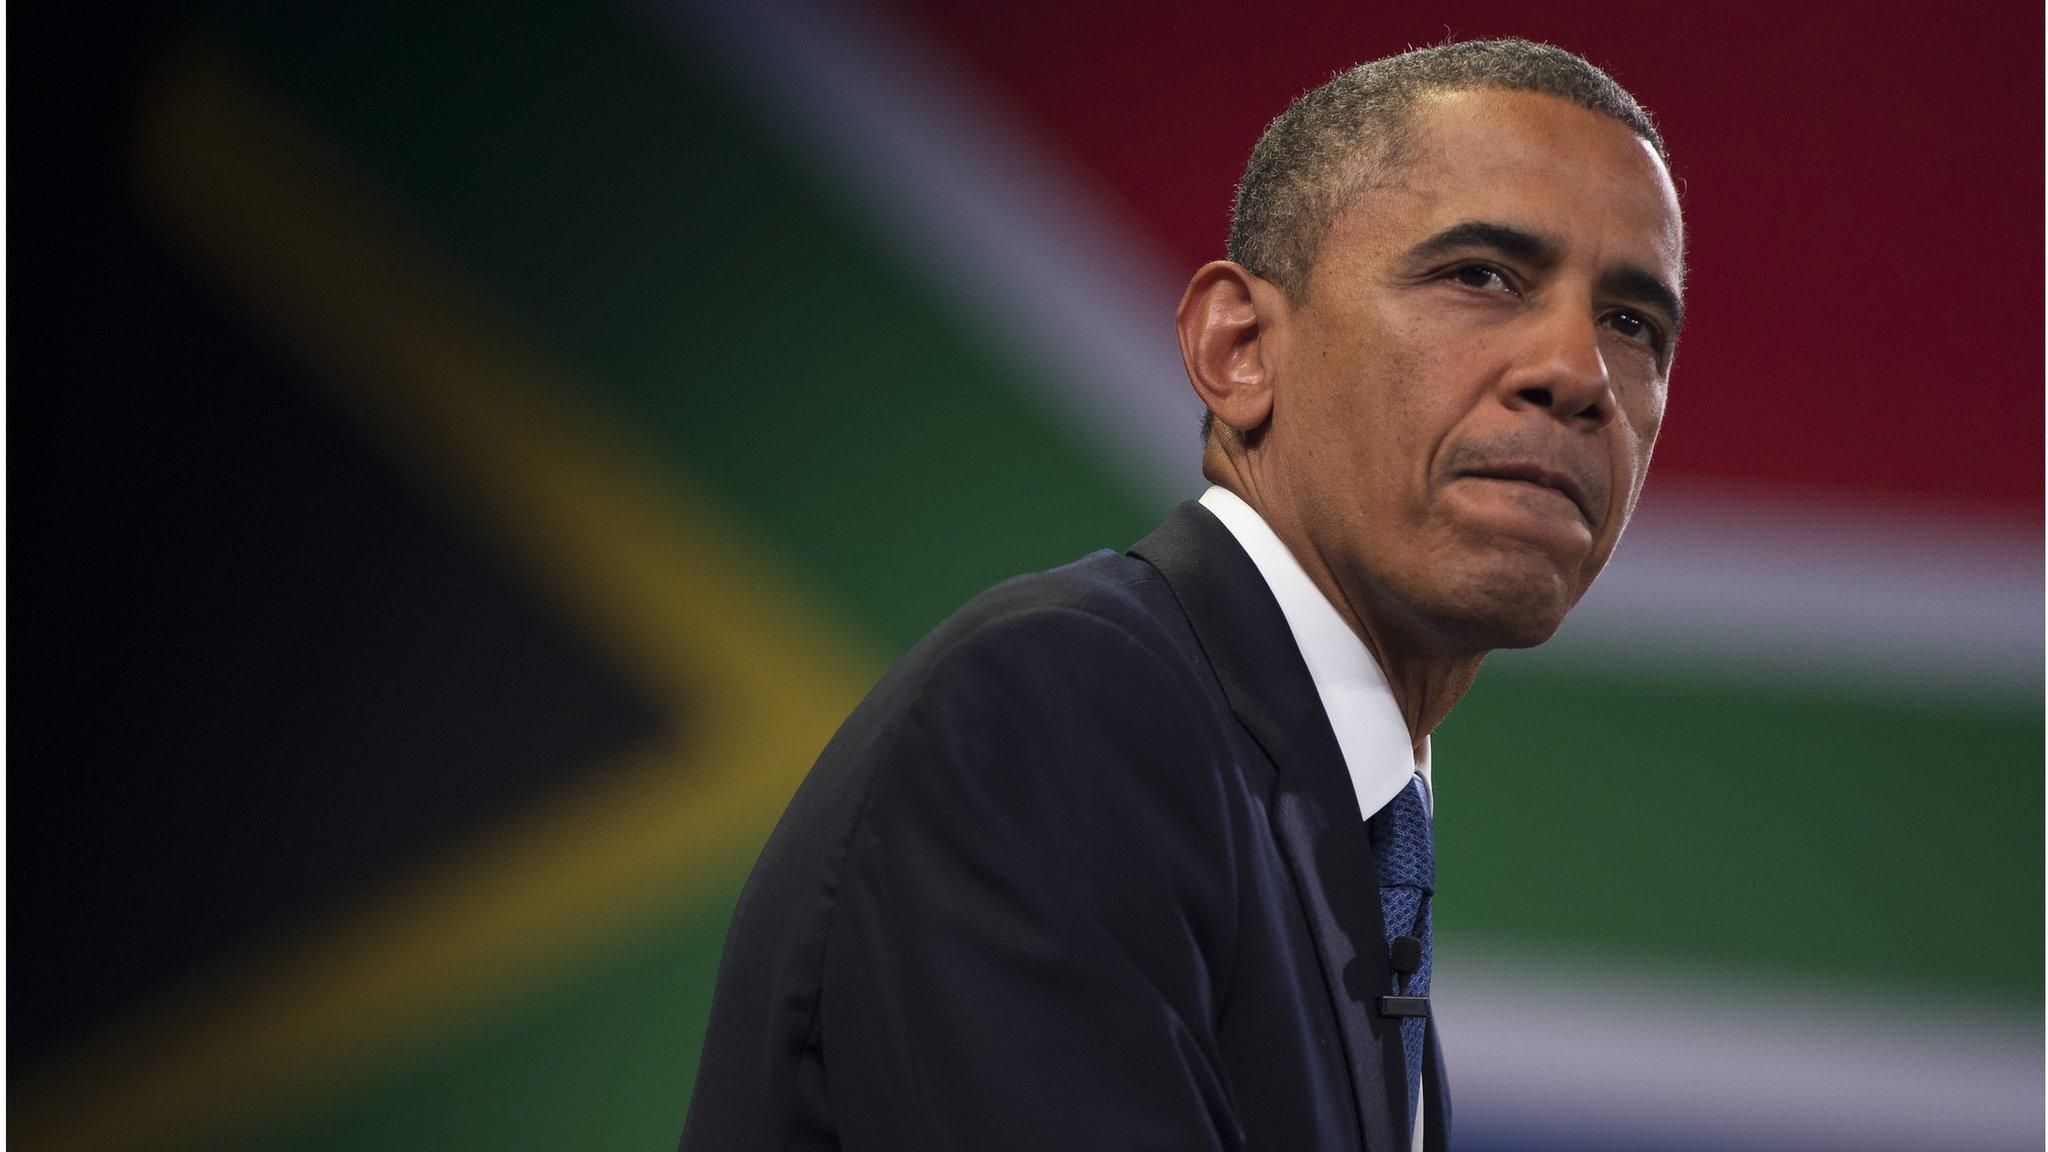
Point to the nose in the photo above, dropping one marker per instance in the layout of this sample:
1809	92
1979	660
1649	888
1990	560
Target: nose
1559	369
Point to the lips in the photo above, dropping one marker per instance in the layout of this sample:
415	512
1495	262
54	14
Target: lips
1541	475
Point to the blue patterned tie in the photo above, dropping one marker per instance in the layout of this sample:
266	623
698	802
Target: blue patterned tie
1406	865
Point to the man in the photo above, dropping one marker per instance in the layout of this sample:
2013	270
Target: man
1134	853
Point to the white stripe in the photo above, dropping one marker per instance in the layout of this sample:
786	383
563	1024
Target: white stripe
1608	1059
1841	593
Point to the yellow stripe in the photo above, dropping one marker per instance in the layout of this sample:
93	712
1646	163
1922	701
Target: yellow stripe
664	583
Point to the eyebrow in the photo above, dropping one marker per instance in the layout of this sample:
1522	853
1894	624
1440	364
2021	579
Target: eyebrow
1510	242
1627	281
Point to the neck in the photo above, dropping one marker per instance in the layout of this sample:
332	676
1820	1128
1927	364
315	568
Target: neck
1426	675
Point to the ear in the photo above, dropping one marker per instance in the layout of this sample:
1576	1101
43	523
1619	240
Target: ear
1227	321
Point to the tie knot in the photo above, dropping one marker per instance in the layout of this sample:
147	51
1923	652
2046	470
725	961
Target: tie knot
1401	850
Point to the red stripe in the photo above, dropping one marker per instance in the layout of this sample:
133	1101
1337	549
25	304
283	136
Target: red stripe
1864	196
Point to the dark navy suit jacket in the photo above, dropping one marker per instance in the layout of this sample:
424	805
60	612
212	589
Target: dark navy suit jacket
1084	871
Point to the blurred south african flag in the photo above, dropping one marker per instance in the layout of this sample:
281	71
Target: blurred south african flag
467	458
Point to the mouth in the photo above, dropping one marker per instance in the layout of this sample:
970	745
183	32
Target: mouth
1542	477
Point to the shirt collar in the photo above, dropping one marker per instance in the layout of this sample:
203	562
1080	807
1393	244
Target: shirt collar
1370	731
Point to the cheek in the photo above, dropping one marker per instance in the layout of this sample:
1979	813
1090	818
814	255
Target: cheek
1374	409
1649	405
1435	387
1390	411
1637	439
1646	419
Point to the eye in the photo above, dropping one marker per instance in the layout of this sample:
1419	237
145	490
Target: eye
1635	326
1484	277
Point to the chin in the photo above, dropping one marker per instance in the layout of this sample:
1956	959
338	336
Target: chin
1511	602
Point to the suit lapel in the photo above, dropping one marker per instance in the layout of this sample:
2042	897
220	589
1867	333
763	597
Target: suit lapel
1313	809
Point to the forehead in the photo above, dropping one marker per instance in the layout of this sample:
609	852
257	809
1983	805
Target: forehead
1533	161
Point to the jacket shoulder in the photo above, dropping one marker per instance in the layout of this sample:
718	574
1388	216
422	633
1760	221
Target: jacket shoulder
1110	590
1038	657
1073	648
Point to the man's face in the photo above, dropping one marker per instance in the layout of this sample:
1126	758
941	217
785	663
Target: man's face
1466	400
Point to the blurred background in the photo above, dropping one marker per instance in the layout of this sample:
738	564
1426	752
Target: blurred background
467	458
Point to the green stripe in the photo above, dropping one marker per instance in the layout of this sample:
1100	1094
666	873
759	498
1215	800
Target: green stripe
1800	833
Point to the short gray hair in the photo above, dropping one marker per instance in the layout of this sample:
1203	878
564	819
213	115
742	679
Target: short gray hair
1338	139
1329	143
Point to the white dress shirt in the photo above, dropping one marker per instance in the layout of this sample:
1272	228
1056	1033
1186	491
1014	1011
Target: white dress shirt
1370	730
